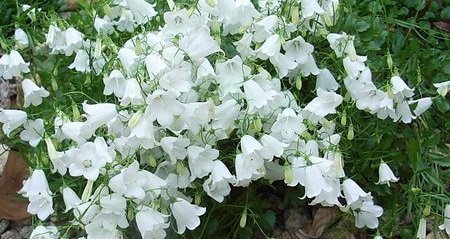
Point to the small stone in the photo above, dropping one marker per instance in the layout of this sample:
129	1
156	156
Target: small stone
3	225
25	232
11	234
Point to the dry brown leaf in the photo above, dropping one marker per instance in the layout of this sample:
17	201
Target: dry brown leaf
15	171
443	25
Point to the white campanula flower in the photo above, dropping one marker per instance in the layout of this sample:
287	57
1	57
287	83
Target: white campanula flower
132	94
87	160
256	96
201	160
310	7
230	75
199	44
12	119
353	192
104	26
126	21
55	39
38	193
243	46
422	105
155	64
341	44
325	103
151	223
422	229
310	174
265	28
21	37
403	113
142	134
175	147
270	47
329	198
130	182
115	205
366	214
186	215
250	146
42	232
400	89
249	167
217	185
298	49
12	65
129	60
355	66
225	114
164	107
74	41
73	131
71	199
284	64
81	63
97	115
103	226
288	126
272	147
385	174
177	22
326	81
33	94
115	83
142	11
446	225
442	88
33	131
309	67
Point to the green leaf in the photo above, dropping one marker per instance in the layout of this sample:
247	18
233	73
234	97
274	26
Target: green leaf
446	13
441	104
362	26
270	218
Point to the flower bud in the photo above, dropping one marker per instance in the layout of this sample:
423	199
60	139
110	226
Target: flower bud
350	133
243	220
87	191
134	120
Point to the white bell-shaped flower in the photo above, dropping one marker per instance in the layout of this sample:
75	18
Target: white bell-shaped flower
142	11
186	215
325	103
12	119
201	160
151	223
42	232
33	131
33	94
74	41
130	182
104	26
400	88
132	94
367	215
385	174
199	44
353	192
326	81
81	63
310	7
442	88
446	225
12	65
21	37
115	83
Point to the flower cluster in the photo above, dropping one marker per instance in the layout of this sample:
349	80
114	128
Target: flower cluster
178	94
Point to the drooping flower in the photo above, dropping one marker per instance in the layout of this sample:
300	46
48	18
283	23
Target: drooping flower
199	44
353	193
33	94
12	65
446	225
42	232
186	215
38	193
74	42
442	88
104	26
201	160
142	11
151	223
21	37
33	131
325	103
12	119
115	83
81	62
385	174
367	214
130	182
132	94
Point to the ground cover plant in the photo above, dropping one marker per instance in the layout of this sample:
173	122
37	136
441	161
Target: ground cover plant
199	119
